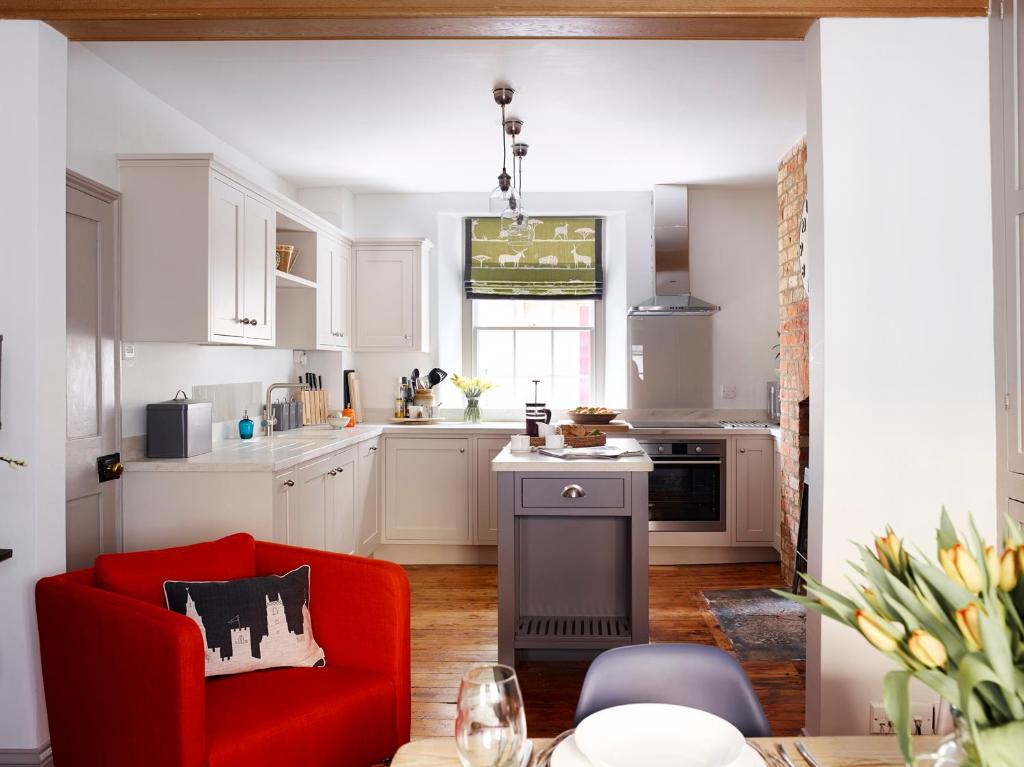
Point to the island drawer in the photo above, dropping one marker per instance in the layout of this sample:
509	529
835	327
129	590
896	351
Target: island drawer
573	492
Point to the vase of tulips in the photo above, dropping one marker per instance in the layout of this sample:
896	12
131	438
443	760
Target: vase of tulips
956	625
472	388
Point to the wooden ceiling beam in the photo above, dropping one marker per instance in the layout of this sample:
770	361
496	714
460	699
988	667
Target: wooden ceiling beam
459	19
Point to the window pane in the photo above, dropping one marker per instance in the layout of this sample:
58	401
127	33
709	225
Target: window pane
495	351
494	313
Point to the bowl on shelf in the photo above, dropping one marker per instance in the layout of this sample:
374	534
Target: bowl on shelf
584	417
286	257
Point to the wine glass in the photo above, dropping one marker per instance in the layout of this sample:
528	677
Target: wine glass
490	727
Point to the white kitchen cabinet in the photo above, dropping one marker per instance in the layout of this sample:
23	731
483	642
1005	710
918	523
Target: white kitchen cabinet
392	295
755	485
487	489
284	500
427	490
309	517
197	260
341	519
368	497
321	322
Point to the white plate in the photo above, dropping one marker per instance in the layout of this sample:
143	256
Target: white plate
568	754
658	735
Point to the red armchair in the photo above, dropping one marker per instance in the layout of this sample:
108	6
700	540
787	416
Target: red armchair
123	676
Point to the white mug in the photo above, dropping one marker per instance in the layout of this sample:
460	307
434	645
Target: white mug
554	440
520	442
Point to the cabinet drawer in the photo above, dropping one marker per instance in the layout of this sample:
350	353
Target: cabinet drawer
556	493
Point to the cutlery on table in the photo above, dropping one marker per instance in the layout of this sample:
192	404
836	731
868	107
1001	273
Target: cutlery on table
769	759
784	754
806	754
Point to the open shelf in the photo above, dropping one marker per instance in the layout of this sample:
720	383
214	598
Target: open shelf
286	280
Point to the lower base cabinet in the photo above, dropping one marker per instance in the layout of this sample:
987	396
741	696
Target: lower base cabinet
754	487
427	490
319	503
368	511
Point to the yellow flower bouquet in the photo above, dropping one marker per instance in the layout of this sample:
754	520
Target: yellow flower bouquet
473	388
956	625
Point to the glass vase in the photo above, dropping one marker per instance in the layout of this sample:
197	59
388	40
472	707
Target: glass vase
472	412
1000	746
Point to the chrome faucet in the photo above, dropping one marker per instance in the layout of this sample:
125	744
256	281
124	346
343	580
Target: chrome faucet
268	418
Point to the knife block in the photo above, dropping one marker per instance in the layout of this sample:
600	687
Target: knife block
314	407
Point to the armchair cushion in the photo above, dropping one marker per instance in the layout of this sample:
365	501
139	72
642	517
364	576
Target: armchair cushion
316	717
141	574
250	624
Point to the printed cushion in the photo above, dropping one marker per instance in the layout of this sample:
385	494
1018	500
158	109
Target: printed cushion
250	623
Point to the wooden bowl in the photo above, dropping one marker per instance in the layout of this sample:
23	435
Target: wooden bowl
592	417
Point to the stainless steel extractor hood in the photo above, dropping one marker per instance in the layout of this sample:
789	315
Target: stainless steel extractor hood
672	258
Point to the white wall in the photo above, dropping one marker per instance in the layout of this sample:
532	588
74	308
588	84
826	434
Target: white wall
333	203
33	71
110	114
734	262
903	403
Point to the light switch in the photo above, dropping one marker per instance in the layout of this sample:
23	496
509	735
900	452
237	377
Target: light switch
728	392
127	350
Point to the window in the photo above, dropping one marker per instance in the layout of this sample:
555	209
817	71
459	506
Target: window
556	342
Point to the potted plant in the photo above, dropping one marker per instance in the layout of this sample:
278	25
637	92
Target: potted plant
473	388
956	625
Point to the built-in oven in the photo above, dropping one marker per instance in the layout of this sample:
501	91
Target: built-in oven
686	490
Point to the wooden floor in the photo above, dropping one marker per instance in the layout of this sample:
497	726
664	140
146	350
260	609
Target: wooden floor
454	624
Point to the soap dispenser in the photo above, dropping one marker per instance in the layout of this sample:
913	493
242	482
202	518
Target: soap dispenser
245	426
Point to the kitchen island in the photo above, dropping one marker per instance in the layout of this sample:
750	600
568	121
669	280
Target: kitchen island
572	553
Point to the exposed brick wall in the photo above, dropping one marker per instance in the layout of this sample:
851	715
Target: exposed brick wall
793	356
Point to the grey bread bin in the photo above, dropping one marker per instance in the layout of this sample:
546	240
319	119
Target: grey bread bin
179	428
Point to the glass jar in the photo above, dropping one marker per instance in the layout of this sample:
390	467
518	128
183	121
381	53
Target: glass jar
472	412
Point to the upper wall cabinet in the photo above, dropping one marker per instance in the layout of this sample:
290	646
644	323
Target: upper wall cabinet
198	253
324	262
392	295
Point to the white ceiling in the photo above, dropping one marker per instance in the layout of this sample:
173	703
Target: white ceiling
383	116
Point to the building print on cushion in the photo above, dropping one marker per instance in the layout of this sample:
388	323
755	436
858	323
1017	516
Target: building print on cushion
250	623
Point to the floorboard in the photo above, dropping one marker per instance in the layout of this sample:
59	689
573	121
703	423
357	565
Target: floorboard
454	624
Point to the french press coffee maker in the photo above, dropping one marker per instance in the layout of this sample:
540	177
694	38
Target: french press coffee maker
536	413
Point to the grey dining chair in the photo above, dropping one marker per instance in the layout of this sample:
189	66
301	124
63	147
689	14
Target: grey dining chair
692	675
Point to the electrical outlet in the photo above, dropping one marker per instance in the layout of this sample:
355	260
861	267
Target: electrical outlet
922	716
127	350
728	392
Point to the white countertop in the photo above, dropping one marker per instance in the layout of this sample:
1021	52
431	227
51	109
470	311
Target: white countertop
506	460
290	448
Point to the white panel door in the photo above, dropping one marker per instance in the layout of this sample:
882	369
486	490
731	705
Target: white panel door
92	390
258	278
308	523
334	279
1012	152
341	535
755	484
226	260
427	490
487	489
367	499
285	498
386	299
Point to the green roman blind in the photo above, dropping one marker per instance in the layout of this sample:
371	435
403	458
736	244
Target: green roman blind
563	261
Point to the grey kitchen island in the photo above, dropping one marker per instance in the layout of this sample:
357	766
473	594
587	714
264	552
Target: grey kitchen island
572	553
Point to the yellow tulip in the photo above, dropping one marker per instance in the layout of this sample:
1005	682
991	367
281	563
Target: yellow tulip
927	649
992	564
969	625
962	568
875	633
888	547
1009	569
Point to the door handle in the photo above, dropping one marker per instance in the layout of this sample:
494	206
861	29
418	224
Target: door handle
333	473
289	483
109	467
573	491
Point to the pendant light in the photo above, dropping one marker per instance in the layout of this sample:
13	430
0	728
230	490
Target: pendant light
502	194
520	232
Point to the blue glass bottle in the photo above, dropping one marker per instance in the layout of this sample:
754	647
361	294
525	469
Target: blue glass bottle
245	426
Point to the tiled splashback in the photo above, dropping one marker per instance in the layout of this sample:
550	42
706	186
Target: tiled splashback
229	402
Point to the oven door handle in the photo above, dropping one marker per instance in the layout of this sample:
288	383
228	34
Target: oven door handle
685	463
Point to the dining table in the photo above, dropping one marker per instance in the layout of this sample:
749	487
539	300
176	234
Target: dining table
828	751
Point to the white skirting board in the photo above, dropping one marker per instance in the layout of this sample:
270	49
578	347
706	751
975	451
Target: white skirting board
436	554
27	757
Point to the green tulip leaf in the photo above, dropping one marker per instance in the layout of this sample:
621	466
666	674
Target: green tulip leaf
947	537
896	696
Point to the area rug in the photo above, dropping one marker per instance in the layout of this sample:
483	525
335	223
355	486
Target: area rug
761	625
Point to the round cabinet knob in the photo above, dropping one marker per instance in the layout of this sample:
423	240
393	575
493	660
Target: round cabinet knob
698	449
339	469
405	338
341	334
573	491
661	448
462	450
373	450
289	483
333	473
244	320
743	450
117	469
253	322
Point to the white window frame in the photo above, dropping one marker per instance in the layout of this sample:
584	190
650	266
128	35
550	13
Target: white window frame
469	342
